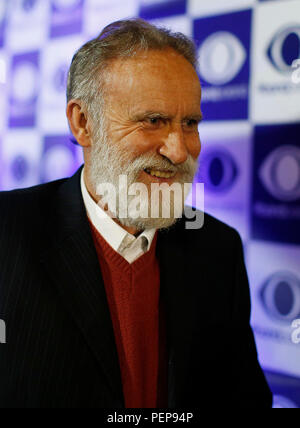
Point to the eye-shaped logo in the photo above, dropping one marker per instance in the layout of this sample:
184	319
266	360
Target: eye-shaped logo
221	57
280	402
60	78
280	173
285	48
280	296
58	162
218	170
28	5
66	4
19	168
25	82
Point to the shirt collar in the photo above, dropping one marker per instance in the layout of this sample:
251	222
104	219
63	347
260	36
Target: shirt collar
111	231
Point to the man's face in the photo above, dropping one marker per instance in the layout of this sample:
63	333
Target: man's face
152	111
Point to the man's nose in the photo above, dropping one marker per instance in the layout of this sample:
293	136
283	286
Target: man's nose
174	147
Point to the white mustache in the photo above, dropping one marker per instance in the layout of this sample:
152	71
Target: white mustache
188	167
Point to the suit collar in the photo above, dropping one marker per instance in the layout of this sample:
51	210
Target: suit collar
72	264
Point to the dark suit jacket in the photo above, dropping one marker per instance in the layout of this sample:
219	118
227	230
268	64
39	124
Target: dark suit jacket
60	349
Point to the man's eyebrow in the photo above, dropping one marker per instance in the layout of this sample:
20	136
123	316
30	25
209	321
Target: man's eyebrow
158	114
150	113
197	117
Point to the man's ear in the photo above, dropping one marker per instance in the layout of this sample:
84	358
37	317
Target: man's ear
78	122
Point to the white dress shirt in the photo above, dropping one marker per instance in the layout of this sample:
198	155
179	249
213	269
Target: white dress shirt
126	244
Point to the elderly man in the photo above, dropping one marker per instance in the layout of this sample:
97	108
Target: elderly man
104	308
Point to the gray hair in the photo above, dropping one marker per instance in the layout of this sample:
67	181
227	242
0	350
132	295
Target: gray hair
121	39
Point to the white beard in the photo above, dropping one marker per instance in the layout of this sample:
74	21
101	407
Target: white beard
109	162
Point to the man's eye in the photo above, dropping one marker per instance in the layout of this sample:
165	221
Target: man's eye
192	123
154	121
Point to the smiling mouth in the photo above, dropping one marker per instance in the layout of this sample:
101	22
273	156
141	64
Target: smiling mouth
160	174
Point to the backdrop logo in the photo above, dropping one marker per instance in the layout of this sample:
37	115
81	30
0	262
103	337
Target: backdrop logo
58	159
280	296
25	79
19	168
25	82
157	9
66	17
280	173
58	162
221	58
218	170
224	64
285	48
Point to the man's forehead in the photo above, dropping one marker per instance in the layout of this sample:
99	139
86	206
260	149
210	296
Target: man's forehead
159	63
153	76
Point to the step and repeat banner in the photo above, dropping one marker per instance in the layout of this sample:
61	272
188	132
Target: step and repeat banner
249	66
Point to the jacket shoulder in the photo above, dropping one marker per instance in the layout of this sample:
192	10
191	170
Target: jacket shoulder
25	197
22	209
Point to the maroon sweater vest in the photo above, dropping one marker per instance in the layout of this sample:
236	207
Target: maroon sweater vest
133	295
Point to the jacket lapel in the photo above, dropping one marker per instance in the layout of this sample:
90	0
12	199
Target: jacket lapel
72	264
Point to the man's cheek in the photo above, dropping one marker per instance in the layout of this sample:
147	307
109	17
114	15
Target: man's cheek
141	142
